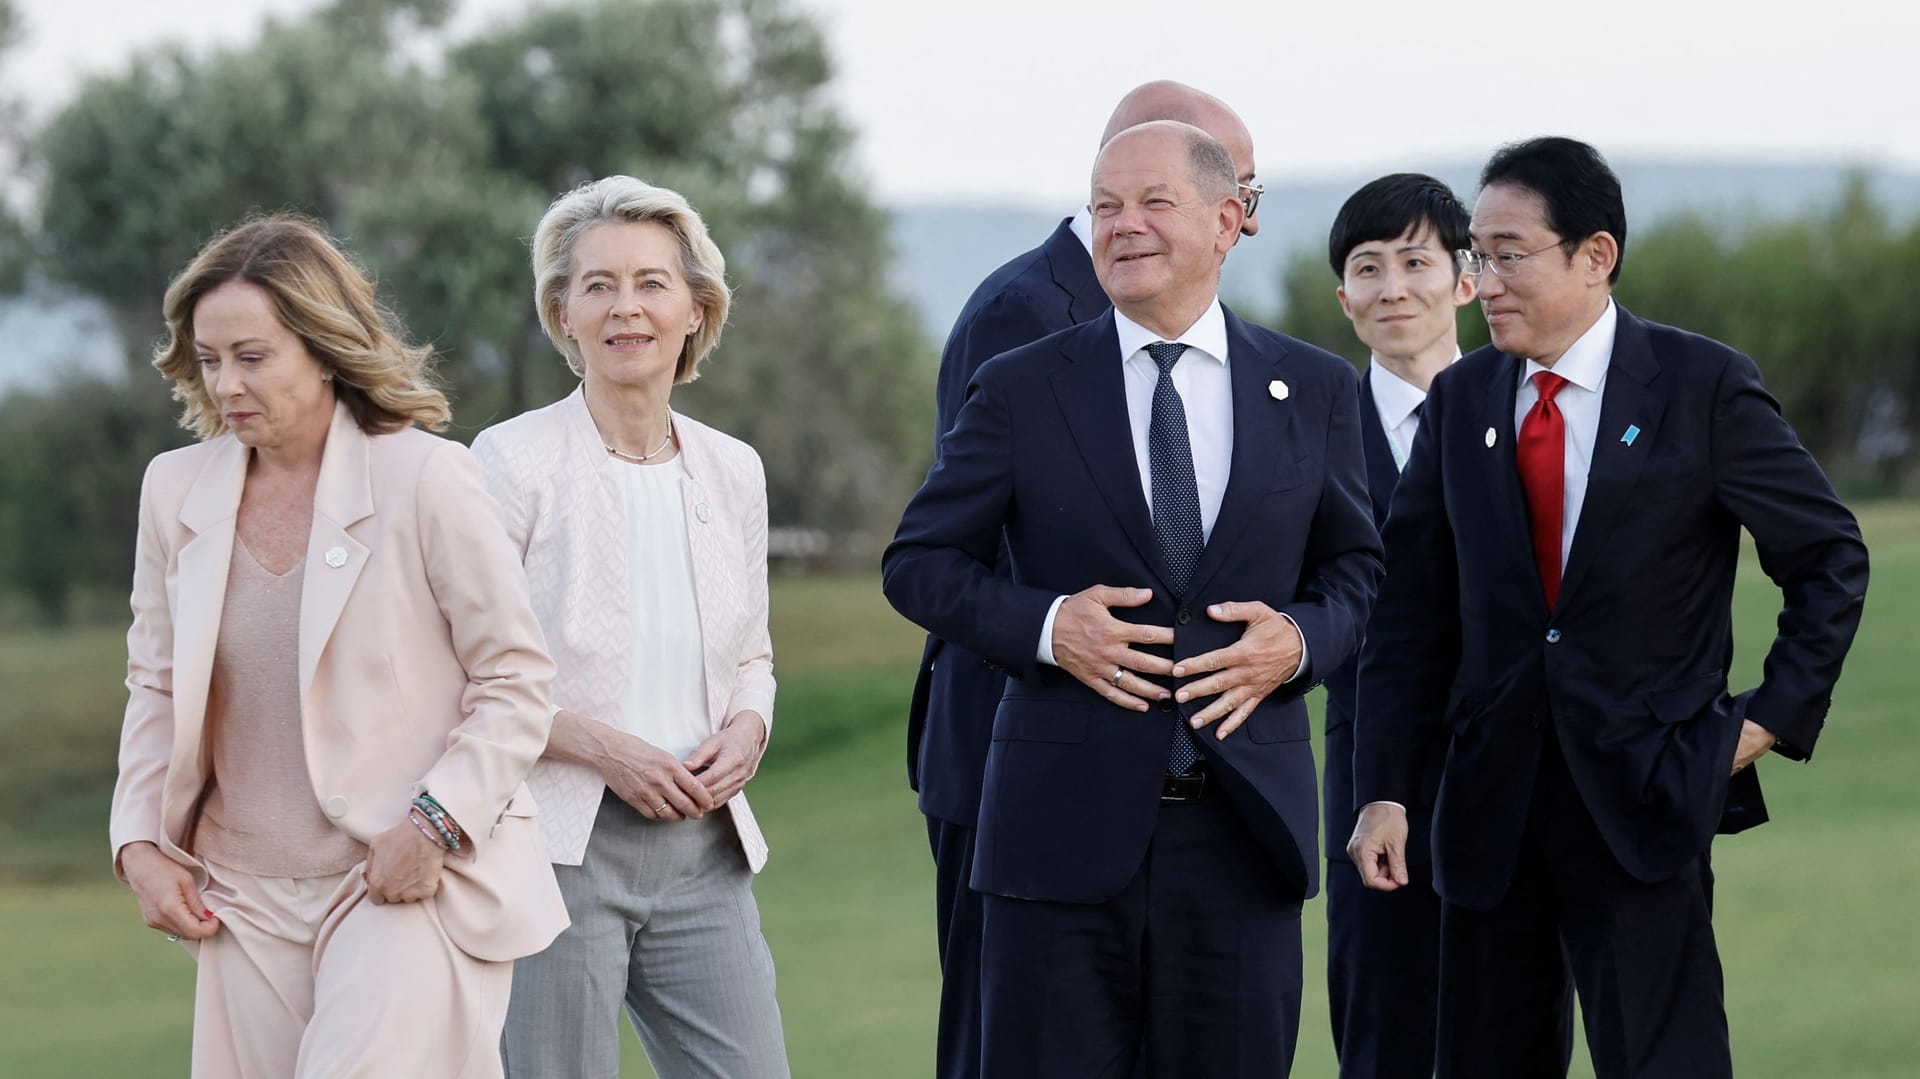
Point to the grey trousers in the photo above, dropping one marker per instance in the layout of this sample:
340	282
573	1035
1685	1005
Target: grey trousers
664	922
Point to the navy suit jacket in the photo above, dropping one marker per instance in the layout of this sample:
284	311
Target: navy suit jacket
1043	291
1042	454
1629	669
1342	685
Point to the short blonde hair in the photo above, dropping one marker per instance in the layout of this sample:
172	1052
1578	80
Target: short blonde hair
324	299
614	200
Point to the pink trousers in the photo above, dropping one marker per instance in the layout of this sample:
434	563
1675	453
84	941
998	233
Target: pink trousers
310	978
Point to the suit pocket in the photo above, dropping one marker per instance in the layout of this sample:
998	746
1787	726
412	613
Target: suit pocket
1682	701
1290	475
1287	723
1039	721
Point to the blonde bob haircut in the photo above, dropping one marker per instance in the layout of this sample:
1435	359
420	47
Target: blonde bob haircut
617	200
326	301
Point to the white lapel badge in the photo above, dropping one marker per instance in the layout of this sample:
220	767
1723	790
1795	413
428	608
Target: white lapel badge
1491	438
1632	432
336	557
1278	390
703	511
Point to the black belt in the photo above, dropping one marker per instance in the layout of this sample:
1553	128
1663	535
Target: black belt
1195	786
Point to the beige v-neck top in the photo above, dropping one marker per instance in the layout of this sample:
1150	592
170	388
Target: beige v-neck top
260	815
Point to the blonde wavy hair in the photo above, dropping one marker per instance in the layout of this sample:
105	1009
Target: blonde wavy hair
614	200
327	301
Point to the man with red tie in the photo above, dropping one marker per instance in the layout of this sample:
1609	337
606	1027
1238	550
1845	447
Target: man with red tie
1580	486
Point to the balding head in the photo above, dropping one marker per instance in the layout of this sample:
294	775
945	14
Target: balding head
1164	99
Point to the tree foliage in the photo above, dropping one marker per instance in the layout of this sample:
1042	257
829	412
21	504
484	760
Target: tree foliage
433	159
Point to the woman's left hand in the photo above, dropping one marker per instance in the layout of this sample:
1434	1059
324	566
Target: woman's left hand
726	760
403	866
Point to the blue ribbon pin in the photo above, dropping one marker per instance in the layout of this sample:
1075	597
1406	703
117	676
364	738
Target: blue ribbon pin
1631	433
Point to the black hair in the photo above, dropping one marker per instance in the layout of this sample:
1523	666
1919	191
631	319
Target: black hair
1581	193
1388	208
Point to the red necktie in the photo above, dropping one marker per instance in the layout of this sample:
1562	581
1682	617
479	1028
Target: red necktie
1541	457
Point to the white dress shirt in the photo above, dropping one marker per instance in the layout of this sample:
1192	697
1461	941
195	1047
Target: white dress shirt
1394	398
1206	396
1584	366
1082	226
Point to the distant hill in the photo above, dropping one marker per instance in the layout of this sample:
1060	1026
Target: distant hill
945	249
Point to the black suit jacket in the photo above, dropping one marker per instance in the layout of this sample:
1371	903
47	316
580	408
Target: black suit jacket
1629	669
1343	685
1042	454
1043	291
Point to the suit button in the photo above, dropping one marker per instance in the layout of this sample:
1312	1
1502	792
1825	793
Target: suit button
1183	617
336	807
1553	636
1166	706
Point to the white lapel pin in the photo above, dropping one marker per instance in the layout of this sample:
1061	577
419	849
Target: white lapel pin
703	511
336	557
1632	432
1278	390
1491	438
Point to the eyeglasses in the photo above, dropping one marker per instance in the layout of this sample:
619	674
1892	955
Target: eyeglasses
1504	264
1252	197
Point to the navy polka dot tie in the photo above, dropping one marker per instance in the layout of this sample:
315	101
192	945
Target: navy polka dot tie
1176	509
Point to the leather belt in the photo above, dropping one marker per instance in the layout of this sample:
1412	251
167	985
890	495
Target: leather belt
1193	787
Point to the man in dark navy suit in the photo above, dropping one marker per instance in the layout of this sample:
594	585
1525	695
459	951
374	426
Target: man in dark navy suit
1182	502
1561	555
1043	291
1391	247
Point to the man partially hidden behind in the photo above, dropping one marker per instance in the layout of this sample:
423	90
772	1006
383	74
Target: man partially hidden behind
1182	499
1561	556
1391	247
1037	293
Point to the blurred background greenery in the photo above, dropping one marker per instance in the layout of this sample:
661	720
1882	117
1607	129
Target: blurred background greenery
432	155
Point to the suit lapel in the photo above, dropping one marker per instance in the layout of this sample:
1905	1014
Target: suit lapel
199	596
1499	475
1092	395
1631	398
1382	473
342	497
710	567
1259	430
1072	269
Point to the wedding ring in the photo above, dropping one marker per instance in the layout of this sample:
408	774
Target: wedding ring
173	938
1117	672
661	808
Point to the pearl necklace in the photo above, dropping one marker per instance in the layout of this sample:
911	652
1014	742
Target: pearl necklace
643	458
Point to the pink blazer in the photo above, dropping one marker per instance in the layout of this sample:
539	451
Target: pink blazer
421	665
565	513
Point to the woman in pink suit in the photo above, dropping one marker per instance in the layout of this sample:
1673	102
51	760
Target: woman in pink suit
644	534
336	688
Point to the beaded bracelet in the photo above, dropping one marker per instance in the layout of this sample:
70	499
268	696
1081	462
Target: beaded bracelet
442	821
426	829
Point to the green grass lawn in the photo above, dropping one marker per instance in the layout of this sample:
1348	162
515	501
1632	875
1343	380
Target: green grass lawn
1822	959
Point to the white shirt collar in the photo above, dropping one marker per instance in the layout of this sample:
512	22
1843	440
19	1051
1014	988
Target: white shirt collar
1395	397
1207	335
1585	363
1082	226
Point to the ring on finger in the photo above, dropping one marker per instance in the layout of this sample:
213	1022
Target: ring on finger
661	808
1115	680
173	938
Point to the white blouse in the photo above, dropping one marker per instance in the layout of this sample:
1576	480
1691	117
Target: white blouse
666	694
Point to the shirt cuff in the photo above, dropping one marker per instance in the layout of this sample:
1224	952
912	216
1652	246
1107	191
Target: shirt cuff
1045	652
1383	802
1305	656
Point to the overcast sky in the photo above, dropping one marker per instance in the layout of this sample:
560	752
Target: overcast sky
996	100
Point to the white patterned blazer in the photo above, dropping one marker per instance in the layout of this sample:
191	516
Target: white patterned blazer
561	496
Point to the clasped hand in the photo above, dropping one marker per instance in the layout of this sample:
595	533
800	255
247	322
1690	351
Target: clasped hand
1243	673
403	865
1097	648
